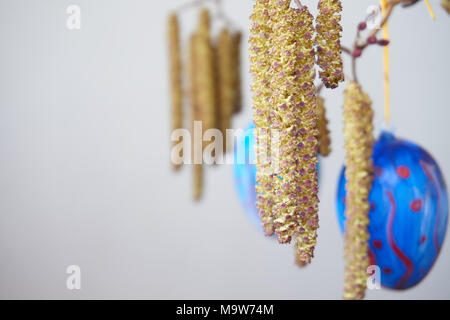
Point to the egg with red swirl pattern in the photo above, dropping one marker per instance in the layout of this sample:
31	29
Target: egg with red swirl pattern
408	211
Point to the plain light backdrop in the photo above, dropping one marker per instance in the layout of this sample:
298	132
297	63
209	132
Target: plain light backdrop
85	176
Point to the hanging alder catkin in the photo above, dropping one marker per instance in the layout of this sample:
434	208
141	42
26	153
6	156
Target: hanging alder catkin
328	42
260	45
358	127
206	72
197	174
226	89
176	90
294	116
236	70
322	125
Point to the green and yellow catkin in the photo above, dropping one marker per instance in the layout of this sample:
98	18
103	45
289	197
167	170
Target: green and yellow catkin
322	126
294	116
176	90
236	70
328	37
197	173
226	90
259	41
358	127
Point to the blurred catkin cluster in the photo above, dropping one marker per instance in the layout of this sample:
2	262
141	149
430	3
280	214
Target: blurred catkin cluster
322	125
212	83
358	115
176	89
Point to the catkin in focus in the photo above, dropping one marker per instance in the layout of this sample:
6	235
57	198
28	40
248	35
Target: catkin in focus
176	89
358	127
260	30
328	41
294	115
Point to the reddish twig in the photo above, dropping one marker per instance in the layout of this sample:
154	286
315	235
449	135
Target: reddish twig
359	47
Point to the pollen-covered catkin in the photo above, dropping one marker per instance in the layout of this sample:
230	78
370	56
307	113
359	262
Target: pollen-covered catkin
322	125
328	37
225	81
358	135
236	70
294	116
260	45
176	90
206	72
195	114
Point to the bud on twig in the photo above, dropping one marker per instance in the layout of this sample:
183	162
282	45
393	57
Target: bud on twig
383	42
356	53
362	26
372	40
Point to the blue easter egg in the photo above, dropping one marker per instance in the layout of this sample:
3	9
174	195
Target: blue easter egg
408	211
245	174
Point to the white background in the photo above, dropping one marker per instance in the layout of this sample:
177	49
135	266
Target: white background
85	176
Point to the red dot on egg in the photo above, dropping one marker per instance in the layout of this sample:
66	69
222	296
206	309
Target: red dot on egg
423	239
373	206
416	205
403	172
387	270
377	244
372	259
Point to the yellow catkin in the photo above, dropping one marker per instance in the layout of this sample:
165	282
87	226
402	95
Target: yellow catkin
216	62
446	5
294	116
206	72
236	70
328	42
176	89
226	90
197	174
322	125
203	86
358	115
298	259
260	31
197	181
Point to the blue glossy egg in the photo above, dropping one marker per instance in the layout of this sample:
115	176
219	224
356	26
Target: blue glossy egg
245	174
409	211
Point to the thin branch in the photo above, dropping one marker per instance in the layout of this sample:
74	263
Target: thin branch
346	50
390	6
319	88
189	5
220	14
356	45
